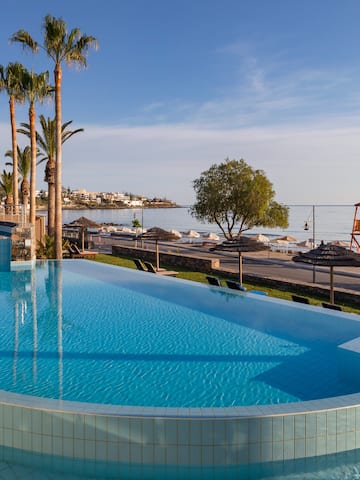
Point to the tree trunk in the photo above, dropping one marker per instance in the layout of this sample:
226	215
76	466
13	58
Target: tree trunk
25	192
33	163
50	180
9	203
14	152
58	166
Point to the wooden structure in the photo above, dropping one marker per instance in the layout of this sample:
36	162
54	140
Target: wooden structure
355	234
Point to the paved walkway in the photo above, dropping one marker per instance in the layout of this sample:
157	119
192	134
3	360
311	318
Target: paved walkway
269	264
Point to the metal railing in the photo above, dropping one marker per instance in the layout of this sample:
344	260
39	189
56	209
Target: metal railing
13	213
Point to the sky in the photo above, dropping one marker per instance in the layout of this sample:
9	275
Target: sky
179	85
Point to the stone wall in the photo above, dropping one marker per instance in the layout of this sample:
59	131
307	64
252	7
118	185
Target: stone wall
341	294
190	262
212	266
22	241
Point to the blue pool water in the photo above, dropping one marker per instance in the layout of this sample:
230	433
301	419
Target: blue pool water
87	332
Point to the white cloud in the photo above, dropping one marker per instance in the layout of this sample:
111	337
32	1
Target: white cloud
315	163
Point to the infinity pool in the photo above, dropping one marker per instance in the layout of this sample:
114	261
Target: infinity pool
86	332
113	373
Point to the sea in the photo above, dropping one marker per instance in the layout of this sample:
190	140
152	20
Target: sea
321	222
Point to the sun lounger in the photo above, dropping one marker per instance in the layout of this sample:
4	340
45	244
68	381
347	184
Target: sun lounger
298	299
235	285
213	281
161	271
75	252
139	265
331	306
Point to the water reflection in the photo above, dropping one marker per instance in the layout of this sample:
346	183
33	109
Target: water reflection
23	289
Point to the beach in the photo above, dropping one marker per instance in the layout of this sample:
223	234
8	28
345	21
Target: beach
332	222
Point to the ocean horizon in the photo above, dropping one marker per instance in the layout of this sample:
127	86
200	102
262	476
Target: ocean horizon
332	222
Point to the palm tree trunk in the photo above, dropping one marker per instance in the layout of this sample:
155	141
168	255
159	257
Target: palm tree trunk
58	170
14	151
25	193
33	163
50	179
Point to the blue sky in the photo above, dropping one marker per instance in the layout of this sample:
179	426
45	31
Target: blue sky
177	85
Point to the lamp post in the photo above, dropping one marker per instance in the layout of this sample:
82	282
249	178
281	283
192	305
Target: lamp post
142	223
313	243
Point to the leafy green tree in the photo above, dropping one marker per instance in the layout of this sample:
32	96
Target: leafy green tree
60	46
237	198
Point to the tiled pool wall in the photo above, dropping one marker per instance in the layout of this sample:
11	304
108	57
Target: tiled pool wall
112	435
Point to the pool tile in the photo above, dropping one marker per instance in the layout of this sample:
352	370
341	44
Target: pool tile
17	420
68	447
184	455
68	425
331	422
101	450
148	454
36	442
278	451
195	432
172	455
289	449
299	448
79	448
89	427
331	444
350	440
124	452
207	432
100	428
341	421
171	433
321	423
289	427
266	451
350	420
254	453
278	428
148	435
196	455
310	447
254	430
310	425
266	429
57	445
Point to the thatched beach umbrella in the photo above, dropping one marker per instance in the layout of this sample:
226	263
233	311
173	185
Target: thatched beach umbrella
329	255
241	245
157	234
83	224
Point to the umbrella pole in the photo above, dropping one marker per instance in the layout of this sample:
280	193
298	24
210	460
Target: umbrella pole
240	268
157	255
332	285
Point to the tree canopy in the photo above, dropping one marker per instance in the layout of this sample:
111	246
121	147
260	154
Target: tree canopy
237	198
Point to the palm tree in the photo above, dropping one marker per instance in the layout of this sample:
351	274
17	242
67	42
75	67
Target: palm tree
11	82
71	48
36	89
24	163
6	187
47	145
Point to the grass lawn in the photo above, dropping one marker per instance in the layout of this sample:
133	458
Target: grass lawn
201	277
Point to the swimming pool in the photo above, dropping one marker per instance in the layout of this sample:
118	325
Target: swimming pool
122	368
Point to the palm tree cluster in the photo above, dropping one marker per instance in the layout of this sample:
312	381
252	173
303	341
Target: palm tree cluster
22	85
